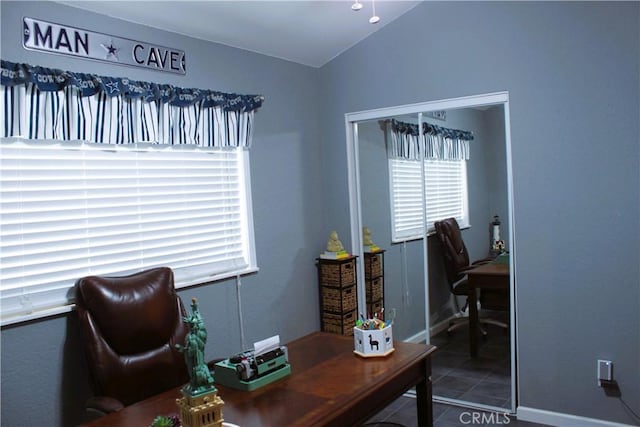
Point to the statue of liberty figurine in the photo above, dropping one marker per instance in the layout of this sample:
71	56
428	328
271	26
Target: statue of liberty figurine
200	400
200	378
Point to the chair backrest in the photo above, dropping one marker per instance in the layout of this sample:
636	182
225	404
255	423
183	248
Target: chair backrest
129	327
454	250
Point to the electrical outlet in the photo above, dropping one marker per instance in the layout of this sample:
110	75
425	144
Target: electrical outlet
605	372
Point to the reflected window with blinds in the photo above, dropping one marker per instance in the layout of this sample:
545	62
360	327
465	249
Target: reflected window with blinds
445	191
75	209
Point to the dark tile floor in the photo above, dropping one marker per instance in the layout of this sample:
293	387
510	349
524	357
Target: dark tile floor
402	413
485	379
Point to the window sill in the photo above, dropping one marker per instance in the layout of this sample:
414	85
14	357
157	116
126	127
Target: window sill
429	234
55	311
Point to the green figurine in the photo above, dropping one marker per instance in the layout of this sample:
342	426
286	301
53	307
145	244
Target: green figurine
166	421
200	378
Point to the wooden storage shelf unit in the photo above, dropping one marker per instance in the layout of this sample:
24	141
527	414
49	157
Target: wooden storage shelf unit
374	281
338	294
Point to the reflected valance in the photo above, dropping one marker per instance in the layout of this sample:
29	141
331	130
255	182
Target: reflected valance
434	142
430	129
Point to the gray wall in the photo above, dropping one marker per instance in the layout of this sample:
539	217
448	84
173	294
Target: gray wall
43	375
571	70
569	67
497	170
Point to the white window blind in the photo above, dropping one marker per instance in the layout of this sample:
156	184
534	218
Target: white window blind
406	202
73	210
445	192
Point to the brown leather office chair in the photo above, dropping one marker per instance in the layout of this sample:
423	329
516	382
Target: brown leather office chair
129	328
456	261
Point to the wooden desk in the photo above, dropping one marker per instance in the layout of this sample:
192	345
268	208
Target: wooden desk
485	276
329	386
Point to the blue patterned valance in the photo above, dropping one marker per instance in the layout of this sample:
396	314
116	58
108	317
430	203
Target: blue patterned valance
429	129
48	79
42	103
435	142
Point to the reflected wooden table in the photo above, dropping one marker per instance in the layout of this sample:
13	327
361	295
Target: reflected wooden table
329	386
486	276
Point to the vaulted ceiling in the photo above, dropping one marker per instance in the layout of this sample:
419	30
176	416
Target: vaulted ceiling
306	32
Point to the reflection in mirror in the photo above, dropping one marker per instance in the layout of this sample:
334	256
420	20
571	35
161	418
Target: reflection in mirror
484	380
403	282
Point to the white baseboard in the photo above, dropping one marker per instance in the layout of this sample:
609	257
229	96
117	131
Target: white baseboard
417	338
433	330
441	326
560	419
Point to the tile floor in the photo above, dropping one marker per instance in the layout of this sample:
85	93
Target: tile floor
484	380
402	413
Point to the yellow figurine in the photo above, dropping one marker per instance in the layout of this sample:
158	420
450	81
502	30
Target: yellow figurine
366	237
334	244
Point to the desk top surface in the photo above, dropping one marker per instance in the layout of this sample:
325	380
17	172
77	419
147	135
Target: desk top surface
327	379
491	268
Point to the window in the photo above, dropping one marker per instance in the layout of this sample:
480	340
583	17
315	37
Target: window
445	192
73	209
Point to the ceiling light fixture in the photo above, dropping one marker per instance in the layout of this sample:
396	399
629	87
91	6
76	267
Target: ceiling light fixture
356	6
374	18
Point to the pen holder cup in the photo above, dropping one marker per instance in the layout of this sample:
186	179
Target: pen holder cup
373	342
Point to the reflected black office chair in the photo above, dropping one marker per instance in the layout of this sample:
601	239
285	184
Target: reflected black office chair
456	261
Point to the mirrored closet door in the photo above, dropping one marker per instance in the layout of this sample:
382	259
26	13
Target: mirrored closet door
393	190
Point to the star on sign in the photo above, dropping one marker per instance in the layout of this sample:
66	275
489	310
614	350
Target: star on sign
110	49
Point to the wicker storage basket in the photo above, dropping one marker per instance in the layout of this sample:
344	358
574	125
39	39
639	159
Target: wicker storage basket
339	323
373	265
374	289
341	273
374	307
339	299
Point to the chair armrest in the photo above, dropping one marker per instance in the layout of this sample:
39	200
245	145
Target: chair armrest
103	405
